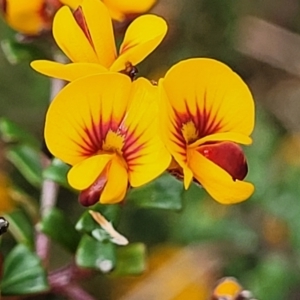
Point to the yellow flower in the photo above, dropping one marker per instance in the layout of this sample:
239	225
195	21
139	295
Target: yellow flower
106	127
206	110
29	17
119	10
88	41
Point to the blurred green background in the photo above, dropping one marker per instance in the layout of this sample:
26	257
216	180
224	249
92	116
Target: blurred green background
257	241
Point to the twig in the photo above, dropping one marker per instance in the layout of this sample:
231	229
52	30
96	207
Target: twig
49	189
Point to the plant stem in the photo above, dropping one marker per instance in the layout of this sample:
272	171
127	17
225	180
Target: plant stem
49	189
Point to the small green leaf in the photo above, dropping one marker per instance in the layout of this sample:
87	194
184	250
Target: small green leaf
57	172
11	132
87	224
165	193
56	225
94	254
23	273
16	52
21	227
131	260
28	161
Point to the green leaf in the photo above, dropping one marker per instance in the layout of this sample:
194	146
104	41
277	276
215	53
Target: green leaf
131	260
21	227
165	193
57	172
57	226
11	132
16	52
28	161
87	224
23	273
94	254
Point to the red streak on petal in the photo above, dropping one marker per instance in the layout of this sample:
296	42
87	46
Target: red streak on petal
80	19
227	155
127	47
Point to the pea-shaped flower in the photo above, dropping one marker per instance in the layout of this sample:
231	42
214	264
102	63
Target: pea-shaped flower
87	39
106	128
206	111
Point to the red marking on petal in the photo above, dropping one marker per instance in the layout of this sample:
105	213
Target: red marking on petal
227	155
80	19
92	194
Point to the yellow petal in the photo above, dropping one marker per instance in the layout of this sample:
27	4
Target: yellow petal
143	150
100	28
170	133
26	17
211	95
84	174
116	186
143	35
71	39
71	3
188	177
217	182
68	72
83	112
223	136
120	8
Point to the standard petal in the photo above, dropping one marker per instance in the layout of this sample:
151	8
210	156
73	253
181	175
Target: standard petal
120	8
68	72
143	35
84	174
71	39
80	116
143	149
170	131
116	186
217	182
100	28
211	95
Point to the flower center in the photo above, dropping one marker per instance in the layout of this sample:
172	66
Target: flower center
189	132
113	142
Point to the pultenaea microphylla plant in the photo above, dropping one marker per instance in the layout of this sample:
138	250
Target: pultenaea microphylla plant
205	111
87	39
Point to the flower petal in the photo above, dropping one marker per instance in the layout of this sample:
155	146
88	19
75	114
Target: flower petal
71	39
120	8
84	174
71	3
80	116
143	35
26	16
211	95
217	182
100	28
116	186
223	136
170	132
143	150
68	72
